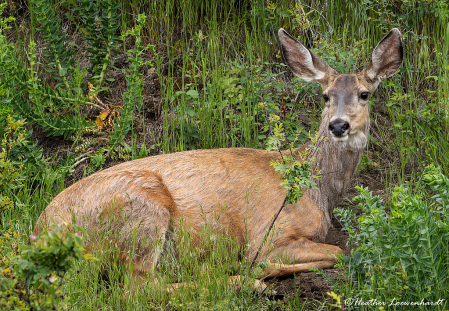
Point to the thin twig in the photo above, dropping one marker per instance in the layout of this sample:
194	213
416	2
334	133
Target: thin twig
317	146
75	304
268	231
62	280
282	156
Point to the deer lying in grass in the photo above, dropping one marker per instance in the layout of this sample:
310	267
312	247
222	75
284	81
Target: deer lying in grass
158	192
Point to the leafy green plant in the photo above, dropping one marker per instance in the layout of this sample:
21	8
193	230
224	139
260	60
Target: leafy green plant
296	174
22	87
98	161
10	169
9	240
133	98
189	127
32	279
58	52
100	24
56	106
277	101
404	255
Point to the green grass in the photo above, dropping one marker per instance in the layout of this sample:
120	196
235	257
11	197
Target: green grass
215	61
211	291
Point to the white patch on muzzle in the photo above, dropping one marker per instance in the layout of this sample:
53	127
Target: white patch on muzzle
354	141
351	139
342	138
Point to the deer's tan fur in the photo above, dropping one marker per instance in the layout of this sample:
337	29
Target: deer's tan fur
144	200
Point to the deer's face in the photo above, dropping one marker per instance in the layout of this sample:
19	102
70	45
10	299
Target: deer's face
346	95
346	98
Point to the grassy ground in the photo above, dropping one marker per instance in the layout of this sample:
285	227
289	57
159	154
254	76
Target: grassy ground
199	85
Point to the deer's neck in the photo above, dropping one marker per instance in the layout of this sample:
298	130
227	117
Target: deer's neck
337	163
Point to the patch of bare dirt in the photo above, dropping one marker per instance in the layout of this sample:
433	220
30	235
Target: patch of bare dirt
312	286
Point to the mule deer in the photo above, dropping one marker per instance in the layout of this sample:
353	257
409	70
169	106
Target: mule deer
193	185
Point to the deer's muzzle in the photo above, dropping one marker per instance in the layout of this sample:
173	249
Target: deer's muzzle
339	127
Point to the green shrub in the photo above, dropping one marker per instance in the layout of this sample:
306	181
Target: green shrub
54	101
36	100
13	136
18	157
402	255
133	97
100	23
31	280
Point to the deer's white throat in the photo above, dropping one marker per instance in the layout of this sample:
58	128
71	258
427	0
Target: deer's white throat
354	141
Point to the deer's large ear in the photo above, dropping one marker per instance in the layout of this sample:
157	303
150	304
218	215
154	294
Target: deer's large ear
305	65
387	57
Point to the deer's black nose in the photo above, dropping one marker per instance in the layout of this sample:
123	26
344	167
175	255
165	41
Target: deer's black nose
338	127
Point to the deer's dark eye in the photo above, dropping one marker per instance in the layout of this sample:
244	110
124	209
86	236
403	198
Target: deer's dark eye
364	95
325	97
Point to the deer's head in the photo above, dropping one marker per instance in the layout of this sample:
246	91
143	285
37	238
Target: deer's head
346	95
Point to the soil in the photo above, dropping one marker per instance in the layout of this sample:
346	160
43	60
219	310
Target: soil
313	287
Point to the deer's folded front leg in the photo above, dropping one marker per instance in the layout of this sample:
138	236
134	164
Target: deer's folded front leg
301	256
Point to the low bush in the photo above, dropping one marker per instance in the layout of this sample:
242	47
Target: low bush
402	253
31	275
